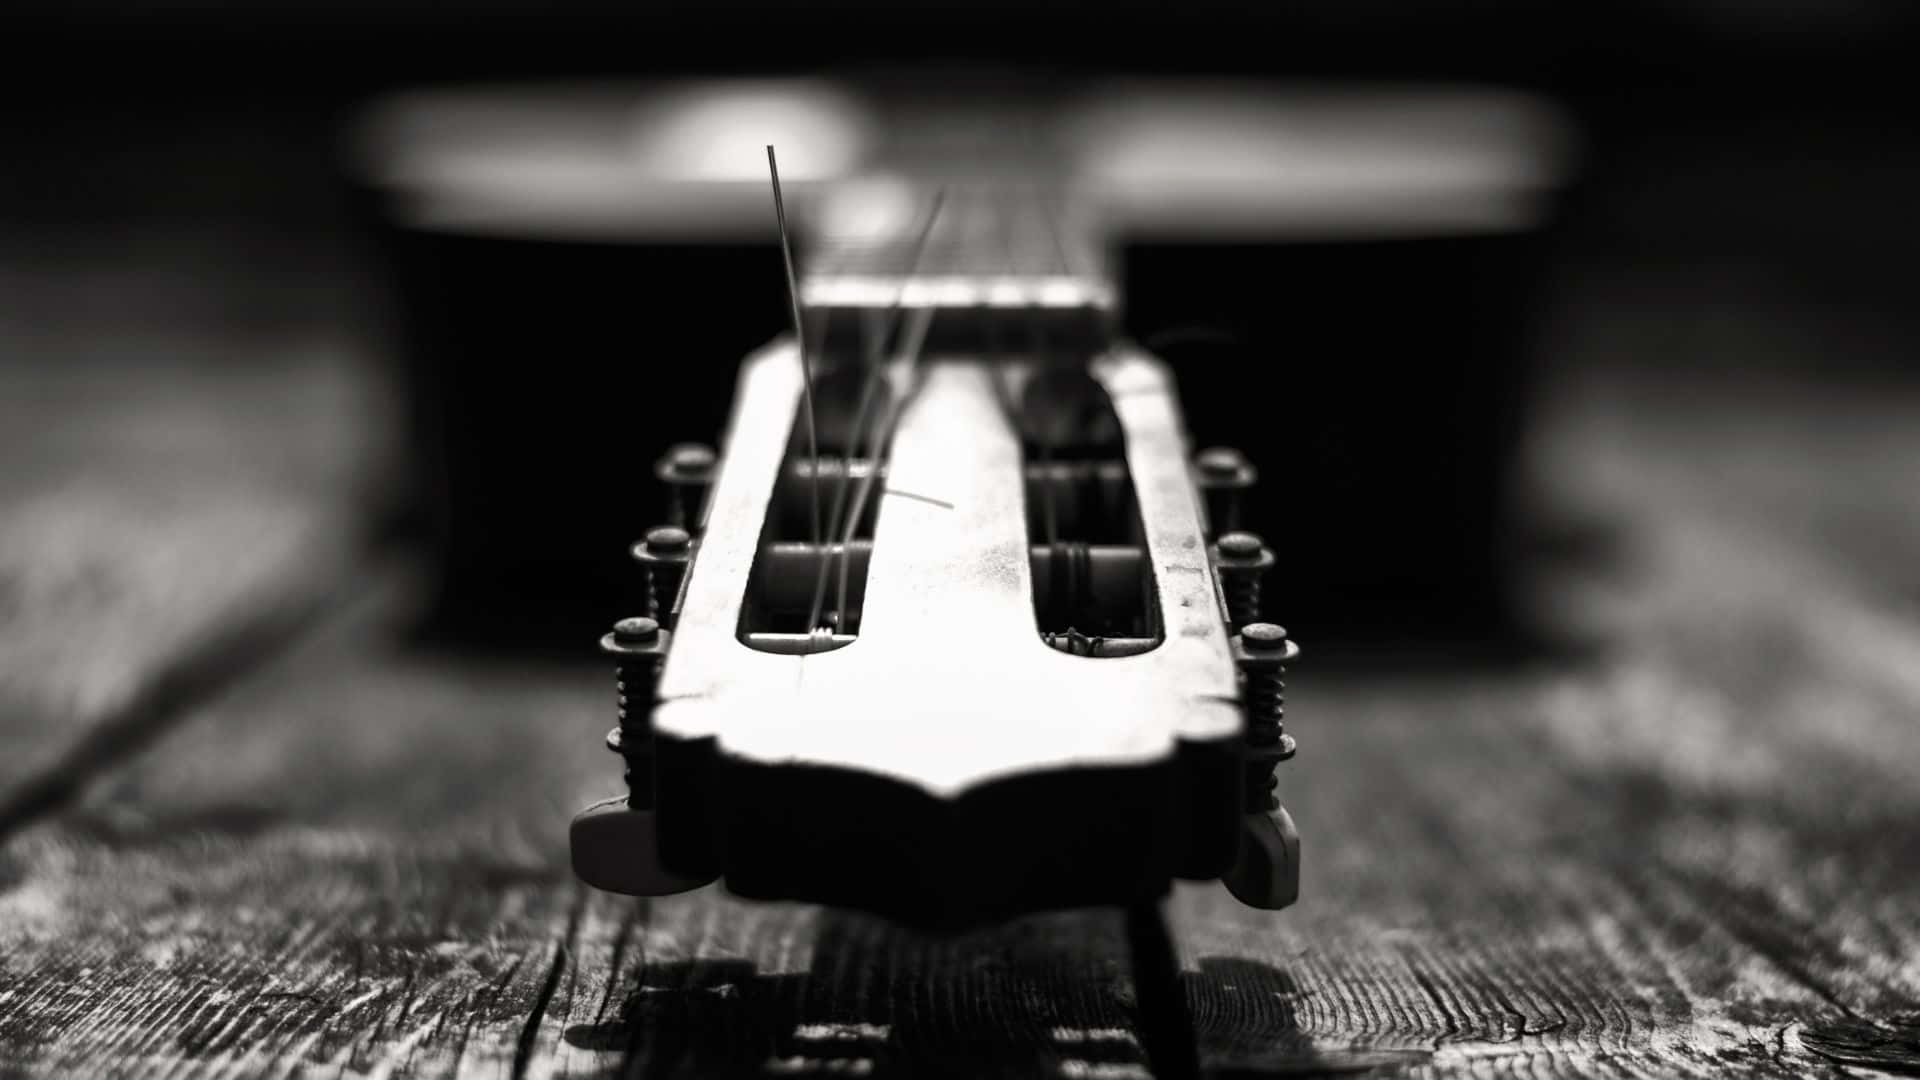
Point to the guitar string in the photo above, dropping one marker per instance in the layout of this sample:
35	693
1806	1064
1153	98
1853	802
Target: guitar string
1050	514
1001	382
909	359
799	340
998	352
1050	510
875	351
1003	390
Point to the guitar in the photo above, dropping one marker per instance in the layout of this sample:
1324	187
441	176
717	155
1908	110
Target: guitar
956	627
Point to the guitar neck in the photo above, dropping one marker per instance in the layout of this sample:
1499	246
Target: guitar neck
1002	268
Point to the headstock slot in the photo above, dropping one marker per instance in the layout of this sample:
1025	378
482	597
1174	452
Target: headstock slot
1093	590
793	493
848	400
804	591
1108	580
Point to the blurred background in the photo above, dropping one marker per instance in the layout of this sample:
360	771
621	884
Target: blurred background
233	360
263	428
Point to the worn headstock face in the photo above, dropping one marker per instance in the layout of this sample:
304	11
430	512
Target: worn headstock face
958	637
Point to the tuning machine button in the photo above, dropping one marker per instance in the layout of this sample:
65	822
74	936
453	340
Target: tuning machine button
617	848
1266	867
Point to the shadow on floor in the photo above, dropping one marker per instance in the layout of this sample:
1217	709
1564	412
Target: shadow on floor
1051	1006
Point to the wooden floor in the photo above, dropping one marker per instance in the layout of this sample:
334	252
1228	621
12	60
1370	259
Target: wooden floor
244	830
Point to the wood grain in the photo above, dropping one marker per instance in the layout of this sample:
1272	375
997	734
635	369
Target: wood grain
1686	851
175	494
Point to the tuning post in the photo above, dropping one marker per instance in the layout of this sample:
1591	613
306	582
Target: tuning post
1224	476
665	553
1262	651
615	842
687	469
638	646
1242	561
1266	869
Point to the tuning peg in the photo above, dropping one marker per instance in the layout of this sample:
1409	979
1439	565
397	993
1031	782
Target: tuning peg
1224	476
687	469
666	552
1266	871
1242	561
615	842
1262	652
617	848
638	646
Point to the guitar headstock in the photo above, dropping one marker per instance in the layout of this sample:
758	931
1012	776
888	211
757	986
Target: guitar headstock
960	630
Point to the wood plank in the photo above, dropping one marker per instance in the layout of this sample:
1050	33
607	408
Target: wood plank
1686	853
174	496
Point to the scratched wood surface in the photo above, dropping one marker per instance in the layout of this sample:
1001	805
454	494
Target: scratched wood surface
1689	849
183	477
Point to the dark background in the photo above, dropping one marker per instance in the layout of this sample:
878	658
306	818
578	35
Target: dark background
243	827
1744	174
